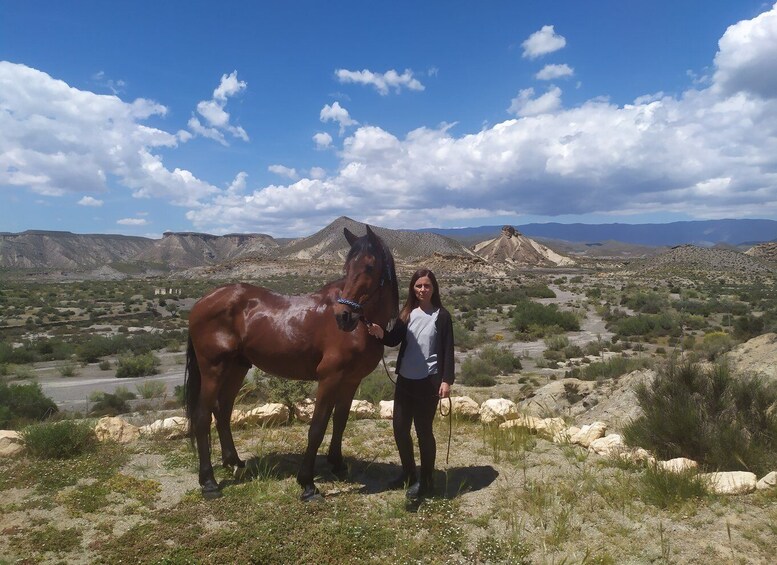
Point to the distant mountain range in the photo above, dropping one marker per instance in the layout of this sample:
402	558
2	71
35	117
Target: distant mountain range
36	249
704	233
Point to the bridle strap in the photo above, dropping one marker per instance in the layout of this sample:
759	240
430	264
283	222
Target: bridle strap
352	303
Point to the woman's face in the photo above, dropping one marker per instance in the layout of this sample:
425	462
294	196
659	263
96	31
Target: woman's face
424	289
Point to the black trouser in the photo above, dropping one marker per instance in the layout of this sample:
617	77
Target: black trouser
415	402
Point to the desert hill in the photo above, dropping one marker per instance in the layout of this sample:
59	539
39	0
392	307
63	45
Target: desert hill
329	243
704	259
765	251
65	250
188	249
516	249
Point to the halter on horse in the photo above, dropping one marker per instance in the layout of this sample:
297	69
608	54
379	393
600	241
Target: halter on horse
236	326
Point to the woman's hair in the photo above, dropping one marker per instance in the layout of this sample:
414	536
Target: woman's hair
412	302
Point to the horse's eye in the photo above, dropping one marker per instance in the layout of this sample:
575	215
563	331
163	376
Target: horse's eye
369	269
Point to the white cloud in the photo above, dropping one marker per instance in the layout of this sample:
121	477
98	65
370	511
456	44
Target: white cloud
526	105
706	152
542	42
284	171
383	83
89	201
550	72
217	119
747	57
238	185
56	139
132	222
709	151
317	173
336	113
323	140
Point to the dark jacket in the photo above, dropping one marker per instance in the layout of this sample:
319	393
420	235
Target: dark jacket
446	364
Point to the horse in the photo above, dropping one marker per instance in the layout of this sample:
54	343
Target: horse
314	337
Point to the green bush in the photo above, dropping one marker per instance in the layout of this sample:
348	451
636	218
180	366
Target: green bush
111	404
610	369
492	360
68	369
476	372
668	489
263	387
532	318
376	386
556	342
647	325
104	365
151	389
722	422
23	403
465	339
714	344
59	440
142	365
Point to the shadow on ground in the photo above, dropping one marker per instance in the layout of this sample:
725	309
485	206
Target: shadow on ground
368	477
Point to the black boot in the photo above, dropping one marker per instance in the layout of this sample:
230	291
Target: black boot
423	488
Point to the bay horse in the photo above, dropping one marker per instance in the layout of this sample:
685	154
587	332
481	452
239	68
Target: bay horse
314	337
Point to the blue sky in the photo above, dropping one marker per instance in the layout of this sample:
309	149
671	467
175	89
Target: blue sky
143	117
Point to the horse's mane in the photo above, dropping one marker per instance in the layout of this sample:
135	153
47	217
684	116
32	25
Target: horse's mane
389	274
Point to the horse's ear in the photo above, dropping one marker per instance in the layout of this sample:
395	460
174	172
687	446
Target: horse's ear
349	236
370	234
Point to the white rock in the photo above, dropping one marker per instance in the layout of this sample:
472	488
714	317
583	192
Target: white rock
386	409
637	455
361	409
589	433
11	443
731	482
237	418
272	414
116	429
543	426
171	428
522	421
564	435
303	411
463	407
498	410
678	465
608	445
767	481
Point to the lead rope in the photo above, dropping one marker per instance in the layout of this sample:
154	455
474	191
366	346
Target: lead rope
450	425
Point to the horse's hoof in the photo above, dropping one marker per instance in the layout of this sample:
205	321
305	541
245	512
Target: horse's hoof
211	491
311	494
239	473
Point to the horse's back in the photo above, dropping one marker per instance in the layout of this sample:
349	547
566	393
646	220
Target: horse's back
284	335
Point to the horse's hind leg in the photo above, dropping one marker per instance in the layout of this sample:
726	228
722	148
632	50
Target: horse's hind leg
233	379
201	419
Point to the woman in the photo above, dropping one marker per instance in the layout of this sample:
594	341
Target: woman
425	368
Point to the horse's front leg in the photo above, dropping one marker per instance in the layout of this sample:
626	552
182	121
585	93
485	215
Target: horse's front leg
318	424
339	420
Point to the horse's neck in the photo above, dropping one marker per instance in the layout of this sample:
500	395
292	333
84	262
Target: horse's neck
380	312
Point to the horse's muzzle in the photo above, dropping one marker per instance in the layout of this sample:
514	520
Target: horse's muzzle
347	320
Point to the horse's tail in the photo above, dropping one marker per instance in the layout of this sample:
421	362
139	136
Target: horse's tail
191	385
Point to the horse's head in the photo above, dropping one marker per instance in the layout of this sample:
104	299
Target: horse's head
369	268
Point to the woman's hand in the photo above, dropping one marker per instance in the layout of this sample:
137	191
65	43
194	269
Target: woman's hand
445	390
375	330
